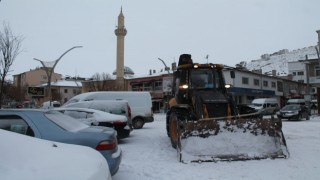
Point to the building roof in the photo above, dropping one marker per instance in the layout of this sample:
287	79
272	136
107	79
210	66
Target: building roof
64	83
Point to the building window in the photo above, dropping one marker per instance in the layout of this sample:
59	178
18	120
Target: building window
74	91
273	84
158	85
245	80
280	86
256	82
300	73
136	87
294	73
44	77
147	86
265	83
66	91
317	69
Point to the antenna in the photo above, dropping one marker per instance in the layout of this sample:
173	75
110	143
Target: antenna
207	57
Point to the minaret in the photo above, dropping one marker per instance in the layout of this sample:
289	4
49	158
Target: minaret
318	31
120	32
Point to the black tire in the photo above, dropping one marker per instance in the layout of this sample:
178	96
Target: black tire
167	124
299	117
173	130
138	123
123	133
308	117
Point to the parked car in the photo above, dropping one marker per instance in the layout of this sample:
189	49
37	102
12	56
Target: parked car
267	106
99	118
140	103
244	109
24	157
120	107
294	112
55	126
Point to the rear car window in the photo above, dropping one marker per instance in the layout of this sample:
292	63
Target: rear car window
65	122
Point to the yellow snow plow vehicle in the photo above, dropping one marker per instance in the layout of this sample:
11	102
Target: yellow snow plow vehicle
203	122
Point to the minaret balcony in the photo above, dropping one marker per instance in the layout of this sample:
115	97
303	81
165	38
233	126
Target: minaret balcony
120	31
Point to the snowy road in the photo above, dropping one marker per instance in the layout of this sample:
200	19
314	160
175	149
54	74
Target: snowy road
148	155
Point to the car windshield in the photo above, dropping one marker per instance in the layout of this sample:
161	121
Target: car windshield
203	78
65	122
290	107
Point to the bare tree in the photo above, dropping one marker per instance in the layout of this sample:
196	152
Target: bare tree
9	50
100	82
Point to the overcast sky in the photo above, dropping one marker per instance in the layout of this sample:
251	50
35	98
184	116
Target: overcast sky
229	31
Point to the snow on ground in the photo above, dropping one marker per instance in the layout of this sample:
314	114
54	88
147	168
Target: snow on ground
147	154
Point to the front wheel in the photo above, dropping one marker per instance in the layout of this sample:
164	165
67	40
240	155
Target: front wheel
299	117
173	125
308	117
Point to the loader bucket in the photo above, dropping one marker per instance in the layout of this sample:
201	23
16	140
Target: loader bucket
231	138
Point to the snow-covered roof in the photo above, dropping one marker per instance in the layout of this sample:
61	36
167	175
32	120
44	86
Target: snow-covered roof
279	60
64	83
153	74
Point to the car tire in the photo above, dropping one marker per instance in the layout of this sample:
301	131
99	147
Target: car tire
138	123
307	117
299	117
123	133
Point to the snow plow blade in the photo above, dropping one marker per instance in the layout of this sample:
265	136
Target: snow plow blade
231	138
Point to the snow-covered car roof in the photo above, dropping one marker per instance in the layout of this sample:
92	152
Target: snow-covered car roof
39	159
98	115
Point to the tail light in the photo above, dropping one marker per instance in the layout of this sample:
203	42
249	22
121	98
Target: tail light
107	145
119	123
129	112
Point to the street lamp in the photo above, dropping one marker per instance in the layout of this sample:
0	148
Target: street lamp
49	68
261	73
165	65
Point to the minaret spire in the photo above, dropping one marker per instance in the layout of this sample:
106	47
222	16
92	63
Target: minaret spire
120	32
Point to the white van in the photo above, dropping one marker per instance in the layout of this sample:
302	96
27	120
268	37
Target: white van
265	105
119	107
139	102
47	105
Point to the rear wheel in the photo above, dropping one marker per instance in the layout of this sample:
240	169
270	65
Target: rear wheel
138	123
